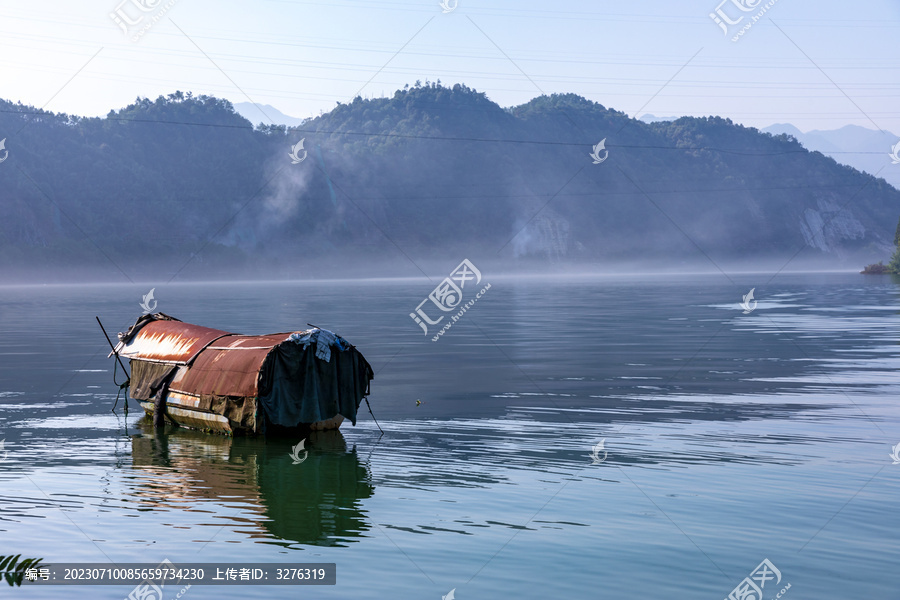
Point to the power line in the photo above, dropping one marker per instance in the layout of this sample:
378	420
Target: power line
335	132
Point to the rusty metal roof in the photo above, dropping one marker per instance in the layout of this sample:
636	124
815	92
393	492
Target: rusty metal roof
210	361
169	341
228	367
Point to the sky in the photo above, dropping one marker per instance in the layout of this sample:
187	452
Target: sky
816	65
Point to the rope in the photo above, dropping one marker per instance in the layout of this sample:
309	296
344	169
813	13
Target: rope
373	416
122	386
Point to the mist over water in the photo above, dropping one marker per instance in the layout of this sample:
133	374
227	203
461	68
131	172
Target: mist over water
728	438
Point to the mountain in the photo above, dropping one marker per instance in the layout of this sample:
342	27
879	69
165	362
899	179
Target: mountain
185	186
265	113
861	148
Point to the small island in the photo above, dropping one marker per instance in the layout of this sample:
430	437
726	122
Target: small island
878	268
893	267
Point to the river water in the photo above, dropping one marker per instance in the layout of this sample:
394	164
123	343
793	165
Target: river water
727	439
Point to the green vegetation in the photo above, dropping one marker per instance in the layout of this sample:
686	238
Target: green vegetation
893	267
13	569
878	268
184	184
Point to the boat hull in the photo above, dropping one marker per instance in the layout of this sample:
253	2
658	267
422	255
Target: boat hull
207	421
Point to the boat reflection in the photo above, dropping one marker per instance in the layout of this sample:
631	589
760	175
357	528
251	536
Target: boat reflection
314	499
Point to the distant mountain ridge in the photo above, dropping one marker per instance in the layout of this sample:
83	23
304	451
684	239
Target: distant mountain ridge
859	147
184	184
648	118
265	113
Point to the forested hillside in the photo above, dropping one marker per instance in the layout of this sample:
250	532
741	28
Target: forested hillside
184	184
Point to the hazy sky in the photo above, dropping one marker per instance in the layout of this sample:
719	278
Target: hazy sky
830	64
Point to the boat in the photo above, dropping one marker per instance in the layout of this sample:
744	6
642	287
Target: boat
217	381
